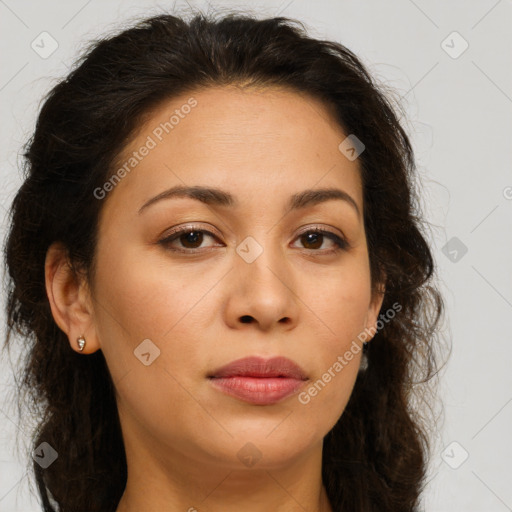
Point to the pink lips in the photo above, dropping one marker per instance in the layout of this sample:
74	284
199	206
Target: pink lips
259	381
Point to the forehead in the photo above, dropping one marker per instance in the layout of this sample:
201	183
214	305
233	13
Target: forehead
237	139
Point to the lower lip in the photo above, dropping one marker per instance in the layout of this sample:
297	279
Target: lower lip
257	390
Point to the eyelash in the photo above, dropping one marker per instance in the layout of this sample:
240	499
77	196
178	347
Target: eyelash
341	243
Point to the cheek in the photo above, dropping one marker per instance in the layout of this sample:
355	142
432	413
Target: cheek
136	301
148	297
341	302
340	305
329	390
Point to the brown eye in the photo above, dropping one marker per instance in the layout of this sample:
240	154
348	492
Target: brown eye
313	239
190	239
187	238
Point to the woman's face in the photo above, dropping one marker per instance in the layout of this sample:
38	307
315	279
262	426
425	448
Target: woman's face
247	277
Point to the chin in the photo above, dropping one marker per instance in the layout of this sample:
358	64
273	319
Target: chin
267	445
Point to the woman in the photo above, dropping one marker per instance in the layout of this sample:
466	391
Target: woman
218	258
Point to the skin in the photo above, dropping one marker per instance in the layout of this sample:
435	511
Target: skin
181	435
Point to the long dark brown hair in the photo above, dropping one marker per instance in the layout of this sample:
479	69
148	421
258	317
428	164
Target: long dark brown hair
375	458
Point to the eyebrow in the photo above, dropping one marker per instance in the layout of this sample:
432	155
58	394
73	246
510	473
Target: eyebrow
218	197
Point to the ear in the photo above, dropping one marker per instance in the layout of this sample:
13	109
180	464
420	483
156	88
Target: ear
70	299
374	308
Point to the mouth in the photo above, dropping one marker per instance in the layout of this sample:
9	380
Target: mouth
259	381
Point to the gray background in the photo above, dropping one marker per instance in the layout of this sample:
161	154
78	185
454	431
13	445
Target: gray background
458	107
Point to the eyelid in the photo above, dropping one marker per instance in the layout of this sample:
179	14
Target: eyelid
339	239
320	227
190	227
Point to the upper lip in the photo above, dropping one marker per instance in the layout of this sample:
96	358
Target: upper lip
260	367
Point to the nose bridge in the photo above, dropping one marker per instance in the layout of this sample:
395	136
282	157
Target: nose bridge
265	288
261	254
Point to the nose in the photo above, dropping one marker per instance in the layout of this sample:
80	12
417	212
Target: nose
262	292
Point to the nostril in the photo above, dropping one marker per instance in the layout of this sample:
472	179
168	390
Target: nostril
246	319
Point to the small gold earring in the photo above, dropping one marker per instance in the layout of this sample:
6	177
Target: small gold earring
81	343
